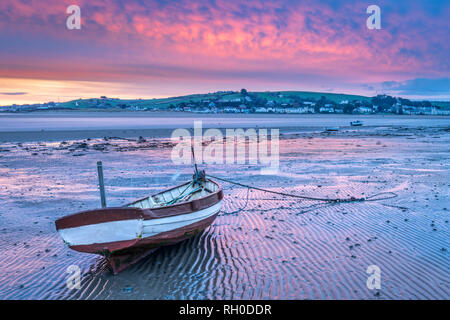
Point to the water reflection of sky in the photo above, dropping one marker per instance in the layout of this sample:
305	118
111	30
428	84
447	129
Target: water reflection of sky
275	249
24	122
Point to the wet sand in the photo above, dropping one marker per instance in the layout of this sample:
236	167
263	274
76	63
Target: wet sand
261	246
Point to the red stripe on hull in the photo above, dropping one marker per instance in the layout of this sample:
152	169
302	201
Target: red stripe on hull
127	213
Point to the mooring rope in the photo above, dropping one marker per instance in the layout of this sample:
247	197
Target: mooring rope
240	209
334	200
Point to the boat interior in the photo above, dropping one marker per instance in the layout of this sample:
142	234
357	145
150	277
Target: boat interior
183	193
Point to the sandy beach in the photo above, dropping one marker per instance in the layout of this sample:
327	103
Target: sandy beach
261	246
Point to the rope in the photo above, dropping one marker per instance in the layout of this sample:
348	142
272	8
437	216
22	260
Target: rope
240	209
179	197
335	200
182	196
393	195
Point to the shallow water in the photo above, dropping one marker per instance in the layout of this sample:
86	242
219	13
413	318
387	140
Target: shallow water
266	247
160	120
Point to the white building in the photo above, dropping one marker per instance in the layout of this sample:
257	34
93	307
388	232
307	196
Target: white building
261	110
363	110
279	110
326	109
297	110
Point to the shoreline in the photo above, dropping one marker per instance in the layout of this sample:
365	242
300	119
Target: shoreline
115	113
78	126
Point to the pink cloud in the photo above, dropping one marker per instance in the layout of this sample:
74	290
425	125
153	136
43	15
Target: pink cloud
294	37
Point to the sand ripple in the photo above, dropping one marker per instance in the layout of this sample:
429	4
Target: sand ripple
261	246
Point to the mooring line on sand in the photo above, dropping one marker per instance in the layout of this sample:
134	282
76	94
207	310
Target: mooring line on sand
333	200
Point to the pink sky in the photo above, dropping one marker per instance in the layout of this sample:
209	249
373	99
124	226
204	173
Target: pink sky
143	49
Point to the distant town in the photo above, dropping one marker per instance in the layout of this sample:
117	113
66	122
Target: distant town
286	102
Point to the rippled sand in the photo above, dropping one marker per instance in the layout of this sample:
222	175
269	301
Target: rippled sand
262	246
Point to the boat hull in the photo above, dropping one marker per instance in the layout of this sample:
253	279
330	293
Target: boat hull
119	260
126	234
123	253
170	235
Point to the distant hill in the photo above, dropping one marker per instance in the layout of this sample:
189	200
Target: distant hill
164	103
225	97
335	97
445	105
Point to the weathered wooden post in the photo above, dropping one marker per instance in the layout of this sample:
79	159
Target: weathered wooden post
101	183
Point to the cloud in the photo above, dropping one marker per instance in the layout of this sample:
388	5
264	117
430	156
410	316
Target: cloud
13	93
419	86
298	34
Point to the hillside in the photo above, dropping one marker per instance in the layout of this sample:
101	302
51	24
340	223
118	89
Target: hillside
163	103
247	101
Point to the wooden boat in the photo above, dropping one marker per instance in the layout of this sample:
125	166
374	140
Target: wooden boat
126	234
332	129
356	123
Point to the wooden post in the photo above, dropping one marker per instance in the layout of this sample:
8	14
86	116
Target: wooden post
101	183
